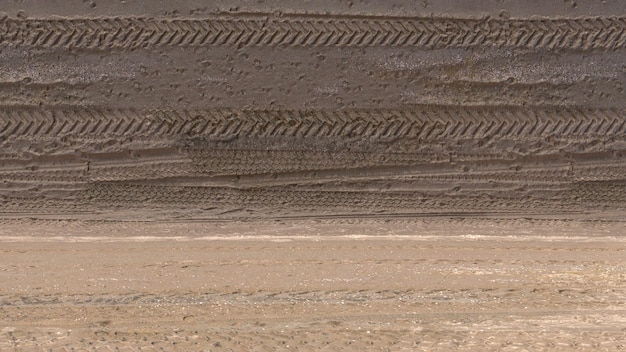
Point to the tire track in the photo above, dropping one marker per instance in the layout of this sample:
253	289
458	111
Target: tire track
601	193
283	178
143	171
137	195
600	173
249	162
380	173
309	30
421	122
172	162
541	177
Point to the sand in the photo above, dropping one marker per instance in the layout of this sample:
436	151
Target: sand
490	284
286	175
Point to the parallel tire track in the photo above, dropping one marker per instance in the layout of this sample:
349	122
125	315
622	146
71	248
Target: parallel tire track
600	173
290	166
217	162
138	195
601	193
422	122
308	30
248	162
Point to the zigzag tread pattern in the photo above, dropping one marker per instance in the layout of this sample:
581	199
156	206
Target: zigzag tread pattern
47	176
600	173
308	30
159	170
41	205
426	122
601	193
246	162
136	195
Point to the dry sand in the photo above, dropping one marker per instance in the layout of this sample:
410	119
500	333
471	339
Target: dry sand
402	284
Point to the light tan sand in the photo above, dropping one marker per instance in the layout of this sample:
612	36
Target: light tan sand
314	285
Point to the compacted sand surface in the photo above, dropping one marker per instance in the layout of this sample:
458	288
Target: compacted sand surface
320	175
402	284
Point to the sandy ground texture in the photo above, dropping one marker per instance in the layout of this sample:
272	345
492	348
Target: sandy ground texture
366	285
312	175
